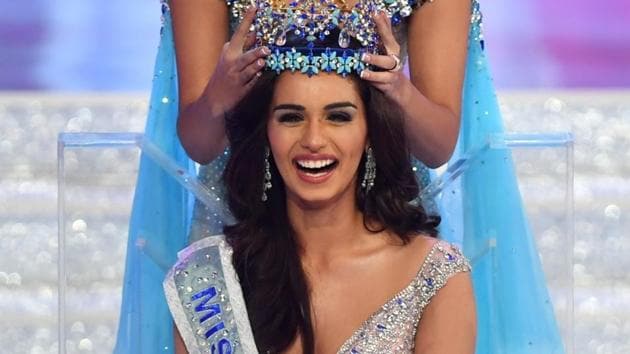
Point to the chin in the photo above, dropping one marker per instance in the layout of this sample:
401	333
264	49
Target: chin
321	198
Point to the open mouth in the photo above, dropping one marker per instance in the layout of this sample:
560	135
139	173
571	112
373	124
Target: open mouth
316	167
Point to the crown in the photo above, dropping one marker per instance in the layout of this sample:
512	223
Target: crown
313	36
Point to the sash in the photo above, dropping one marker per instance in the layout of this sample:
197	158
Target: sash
205	298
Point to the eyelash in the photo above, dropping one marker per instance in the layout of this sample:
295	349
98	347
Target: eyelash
289	118
338	117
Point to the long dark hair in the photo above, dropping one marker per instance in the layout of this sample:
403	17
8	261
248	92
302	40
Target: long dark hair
266	253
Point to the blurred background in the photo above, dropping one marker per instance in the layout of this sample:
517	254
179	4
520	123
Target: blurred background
87	66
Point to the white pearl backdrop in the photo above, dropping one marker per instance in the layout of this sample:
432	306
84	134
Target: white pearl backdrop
100	187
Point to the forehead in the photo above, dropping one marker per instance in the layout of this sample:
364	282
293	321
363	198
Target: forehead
317	90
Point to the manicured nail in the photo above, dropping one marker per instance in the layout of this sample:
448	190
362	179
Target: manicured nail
365	57
266	51
364	74
260	62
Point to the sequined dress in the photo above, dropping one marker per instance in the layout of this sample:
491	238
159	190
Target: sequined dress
392	328
203	279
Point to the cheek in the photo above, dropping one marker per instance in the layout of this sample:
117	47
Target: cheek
280	142
353	143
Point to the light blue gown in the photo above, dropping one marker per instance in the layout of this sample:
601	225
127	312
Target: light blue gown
513	307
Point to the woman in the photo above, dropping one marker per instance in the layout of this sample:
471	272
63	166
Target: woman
436	35
334	258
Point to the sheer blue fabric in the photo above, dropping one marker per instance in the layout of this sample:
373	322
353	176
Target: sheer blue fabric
514	311
515	314
159	220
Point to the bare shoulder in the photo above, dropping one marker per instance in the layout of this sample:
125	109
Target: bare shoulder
448	322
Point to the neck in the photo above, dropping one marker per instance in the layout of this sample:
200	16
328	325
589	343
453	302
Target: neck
327	232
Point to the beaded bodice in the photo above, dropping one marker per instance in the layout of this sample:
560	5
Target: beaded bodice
392	328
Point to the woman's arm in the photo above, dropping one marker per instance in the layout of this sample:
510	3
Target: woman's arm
213	75
448	323
431	100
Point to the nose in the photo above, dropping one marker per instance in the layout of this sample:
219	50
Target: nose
313	135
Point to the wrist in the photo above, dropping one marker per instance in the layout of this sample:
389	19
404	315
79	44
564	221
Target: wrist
408	93
214	108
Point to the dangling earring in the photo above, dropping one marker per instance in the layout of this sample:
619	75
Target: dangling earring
370	170
267	177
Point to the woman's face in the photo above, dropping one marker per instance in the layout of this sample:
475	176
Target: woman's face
317	133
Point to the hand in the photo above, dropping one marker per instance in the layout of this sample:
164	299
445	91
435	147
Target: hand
237	70
391	80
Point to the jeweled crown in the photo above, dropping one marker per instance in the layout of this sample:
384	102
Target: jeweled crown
312	36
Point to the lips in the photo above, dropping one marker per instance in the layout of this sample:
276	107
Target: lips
315	169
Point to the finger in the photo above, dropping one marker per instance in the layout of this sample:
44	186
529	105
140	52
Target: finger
250	40
251	71
237	42
250	56
381	77
385	88
248	86
382	61
384	28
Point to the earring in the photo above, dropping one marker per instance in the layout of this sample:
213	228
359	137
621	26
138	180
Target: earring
267	178
370	170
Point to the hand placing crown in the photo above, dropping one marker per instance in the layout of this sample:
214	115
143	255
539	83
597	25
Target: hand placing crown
312	36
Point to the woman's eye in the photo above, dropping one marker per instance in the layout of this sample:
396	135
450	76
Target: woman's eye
290	118
339	117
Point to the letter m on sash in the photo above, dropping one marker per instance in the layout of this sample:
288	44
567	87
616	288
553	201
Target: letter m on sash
213	309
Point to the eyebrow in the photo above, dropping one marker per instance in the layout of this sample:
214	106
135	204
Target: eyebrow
340	105
294	107
297	107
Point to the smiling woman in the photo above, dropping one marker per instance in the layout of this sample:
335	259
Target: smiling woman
317	137
330	252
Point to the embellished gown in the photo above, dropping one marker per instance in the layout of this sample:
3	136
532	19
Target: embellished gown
513	308
201	303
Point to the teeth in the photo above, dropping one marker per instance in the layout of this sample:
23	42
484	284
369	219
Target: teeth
315	163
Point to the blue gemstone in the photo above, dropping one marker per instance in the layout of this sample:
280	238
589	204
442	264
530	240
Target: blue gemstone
396	19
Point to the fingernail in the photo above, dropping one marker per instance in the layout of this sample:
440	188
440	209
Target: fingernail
259	74
260	62
365	57
266	51
364	74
